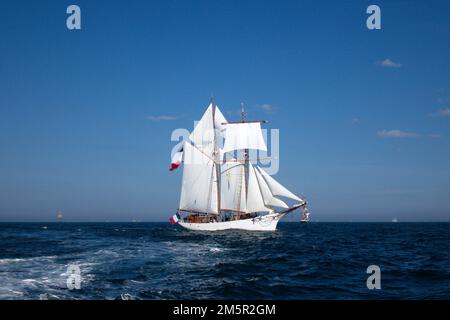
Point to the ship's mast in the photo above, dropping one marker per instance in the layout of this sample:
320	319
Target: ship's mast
216	158
243	118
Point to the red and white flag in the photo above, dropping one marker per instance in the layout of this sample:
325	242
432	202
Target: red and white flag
174	219
176	160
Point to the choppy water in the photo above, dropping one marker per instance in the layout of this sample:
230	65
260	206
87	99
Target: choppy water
160	261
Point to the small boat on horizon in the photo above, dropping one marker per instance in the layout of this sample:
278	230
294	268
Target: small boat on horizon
59	216
221	188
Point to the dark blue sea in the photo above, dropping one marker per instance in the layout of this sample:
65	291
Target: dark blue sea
160	261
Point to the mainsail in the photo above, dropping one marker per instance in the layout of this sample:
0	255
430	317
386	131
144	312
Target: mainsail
199	191
199	187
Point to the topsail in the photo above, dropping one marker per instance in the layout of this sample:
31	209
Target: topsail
203	135
244	135
219	121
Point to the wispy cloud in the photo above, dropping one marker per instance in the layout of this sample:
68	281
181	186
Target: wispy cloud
442	113
356	121
434	136
443	100
388	63
266	107
396	134
162	118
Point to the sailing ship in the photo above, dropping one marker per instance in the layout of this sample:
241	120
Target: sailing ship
222	188
59	215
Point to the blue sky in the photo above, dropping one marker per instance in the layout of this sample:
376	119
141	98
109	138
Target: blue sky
364	115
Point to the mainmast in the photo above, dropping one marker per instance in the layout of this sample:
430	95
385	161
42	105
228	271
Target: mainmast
243	118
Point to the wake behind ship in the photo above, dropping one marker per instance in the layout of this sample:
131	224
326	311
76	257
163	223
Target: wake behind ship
221	187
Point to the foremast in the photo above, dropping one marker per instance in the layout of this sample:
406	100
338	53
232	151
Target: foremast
216	158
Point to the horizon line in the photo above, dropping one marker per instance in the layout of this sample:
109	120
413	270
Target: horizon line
317	221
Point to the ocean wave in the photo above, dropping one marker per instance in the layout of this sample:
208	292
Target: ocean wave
25	260
158	261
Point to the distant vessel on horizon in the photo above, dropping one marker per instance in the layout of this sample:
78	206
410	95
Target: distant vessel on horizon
59	215
394	220
220	192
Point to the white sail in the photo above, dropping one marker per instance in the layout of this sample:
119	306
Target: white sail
219	121
240	136
276	188
232	195
269	198
213	205
199	187
203	134
255	201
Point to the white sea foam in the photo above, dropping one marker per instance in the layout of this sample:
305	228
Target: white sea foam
24	260
7	261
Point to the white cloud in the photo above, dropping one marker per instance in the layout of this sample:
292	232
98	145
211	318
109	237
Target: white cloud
443	112
356	121
266	107
396	134
388	63
434	136
162	118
